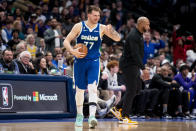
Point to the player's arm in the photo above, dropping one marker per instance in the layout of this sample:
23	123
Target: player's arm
111	32
71	36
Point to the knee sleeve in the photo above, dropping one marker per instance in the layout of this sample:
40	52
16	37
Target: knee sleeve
92	91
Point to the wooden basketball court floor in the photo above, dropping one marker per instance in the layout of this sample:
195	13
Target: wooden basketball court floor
103	125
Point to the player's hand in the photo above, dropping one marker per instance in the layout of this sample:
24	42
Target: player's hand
76	53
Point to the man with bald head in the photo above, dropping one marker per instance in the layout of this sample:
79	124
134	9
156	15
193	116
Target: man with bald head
131	64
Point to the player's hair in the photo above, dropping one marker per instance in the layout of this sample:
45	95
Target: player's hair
112	64
93	8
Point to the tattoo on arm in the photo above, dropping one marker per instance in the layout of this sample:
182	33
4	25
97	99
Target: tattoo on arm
114	32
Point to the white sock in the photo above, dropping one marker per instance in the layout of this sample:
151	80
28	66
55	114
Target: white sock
79	100
92	90
92	109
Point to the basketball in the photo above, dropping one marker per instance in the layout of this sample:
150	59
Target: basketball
83	48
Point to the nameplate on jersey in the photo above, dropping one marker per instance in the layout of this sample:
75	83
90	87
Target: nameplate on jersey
89	37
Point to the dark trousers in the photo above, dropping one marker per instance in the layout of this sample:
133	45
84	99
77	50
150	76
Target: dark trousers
163	96
146	100
152	98
133	86
139	103
177	98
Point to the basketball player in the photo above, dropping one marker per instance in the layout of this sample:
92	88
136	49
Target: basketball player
86	70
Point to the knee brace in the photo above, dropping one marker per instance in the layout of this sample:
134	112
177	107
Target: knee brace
92	91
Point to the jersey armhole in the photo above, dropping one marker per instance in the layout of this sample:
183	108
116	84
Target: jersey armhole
100	32
80	31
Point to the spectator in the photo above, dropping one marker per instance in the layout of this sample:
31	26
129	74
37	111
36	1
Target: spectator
113	87
2	44
14	41
191	57
41	27
146	100
106	16
150	47
18	26
30	31
9	66
179	47
53	37
49	59
24	64
64	15
31	21
31	47
179	63
129	25
45	11
160	82
20	48
3	5
6	33
58	62
118	15
104	58
41	68
42	47
10	17
187	85
55	13
168	53
39	14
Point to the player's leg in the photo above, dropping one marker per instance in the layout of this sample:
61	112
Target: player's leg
80	85
93	78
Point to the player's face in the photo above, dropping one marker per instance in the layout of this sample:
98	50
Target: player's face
94	17
146	26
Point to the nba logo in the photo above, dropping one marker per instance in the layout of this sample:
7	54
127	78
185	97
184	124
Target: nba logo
5	96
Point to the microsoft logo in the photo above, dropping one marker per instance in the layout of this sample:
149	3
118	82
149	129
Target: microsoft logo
35	96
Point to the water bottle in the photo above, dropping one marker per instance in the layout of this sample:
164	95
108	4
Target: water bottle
1	69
